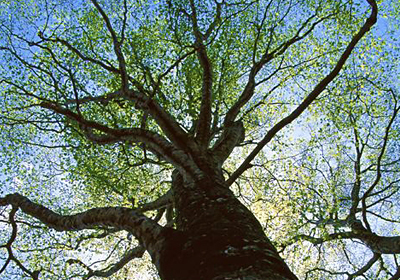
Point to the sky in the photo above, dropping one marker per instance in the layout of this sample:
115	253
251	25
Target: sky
34	172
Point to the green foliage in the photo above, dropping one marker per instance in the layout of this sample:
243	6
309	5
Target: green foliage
62	51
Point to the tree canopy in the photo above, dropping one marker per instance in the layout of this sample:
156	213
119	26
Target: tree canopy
293	105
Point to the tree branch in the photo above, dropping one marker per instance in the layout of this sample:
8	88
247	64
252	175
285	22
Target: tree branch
136	252
117	47
312	96
379	160
8	246
143	228
267	57
355	192
204	122
103	99
160	202
65	43
365	268
378	244
166	122
153	141
229	139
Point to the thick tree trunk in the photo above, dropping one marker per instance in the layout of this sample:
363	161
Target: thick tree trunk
216	238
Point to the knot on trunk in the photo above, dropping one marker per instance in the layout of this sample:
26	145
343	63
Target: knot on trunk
231	137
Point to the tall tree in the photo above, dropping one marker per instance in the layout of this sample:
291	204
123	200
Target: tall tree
156	113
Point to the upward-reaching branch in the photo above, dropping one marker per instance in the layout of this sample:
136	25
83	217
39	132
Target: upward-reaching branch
378	164
312	96
355	192
248	91
167	123
204	122
117	47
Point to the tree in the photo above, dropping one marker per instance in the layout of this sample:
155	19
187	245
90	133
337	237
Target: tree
149	107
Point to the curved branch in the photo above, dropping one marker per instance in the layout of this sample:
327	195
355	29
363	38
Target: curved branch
378	244
11	257
320	240
134	253
365	268
65	43
143	228
103	99
94	235
167	123
153	141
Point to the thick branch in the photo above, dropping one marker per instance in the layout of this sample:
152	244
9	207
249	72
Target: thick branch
103	99
167	123
312	96
153	141
381	244
145	229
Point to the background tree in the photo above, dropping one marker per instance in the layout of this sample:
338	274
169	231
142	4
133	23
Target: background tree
144	125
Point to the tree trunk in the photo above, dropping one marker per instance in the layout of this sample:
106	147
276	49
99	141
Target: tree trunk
216	238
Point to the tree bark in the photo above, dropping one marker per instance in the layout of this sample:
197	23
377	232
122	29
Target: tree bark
216	238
